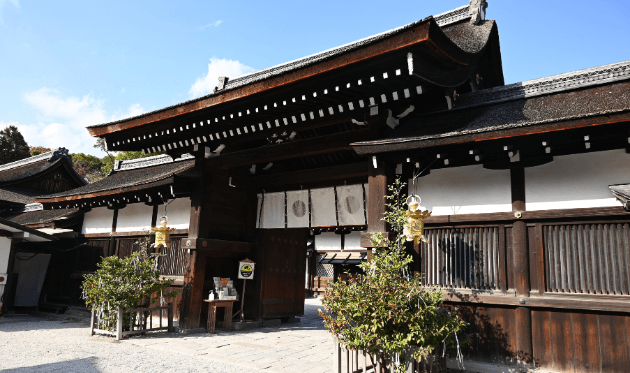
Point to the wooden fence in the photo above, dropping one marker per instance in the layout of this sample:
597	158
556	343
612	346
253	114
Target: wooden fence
140	321
356	361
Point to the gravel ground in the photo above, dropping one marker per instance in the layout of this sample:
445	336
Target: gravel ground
56	346
40	344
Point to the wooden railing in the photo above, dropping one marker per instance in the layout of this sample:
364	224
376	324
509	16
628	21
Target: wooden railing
138	320
587	258
467	257
356	361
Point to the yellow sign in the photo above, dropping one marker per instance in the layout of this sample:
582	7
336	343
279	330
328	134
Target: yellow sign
246	269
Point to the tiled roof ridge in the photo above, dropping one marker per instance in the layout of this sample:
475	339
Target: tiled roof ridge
592	76
155	160
49	156
442	19
25	161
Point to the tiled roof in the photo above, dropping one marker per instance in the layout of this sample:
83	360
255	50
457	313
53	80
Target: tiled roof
17	195
27	170
147	176
444	20
41	216
27	167
599	91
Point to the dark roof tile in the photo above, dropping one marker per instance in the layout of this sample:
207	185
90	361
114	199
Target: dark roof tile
41	216
16	195
127	178
599	100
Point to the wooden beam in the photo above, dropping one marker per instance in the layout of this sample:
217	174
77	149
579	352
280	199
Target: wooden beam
219	248
313	175
592	212
301	148
129	234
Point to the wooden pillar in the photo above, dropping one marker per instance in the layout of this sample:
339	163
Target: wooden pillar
195	268
520	266
112	240
379	178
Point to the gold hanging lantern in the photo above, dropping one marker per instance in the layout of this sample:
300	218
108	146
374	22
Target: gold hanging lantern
414	227
162	234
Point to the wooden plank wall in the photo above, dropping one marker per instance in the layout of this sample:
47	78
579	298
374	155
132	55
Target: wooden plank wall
574	265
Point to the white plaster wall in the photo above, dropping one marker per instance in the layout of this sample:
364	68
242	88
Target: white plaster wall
134	217
464	190
352	241
98	220
5	249
576	181
328	241
178	213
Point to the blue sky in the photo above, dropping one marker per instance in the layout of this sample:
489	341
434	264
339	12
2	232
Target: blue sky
65	65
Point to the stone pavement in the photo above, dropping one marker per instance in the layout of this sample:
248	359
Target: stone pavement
305	346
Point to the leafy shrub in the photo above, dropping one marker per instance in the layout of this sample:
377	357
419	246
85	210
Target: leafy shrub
127	283
387	309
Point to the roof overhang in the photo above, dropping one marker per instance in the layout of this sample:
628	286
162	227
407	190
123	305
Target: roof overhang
419	54
27	234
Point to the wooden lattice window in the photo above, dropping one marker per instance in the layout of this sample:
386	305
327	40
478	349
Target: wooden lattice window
463	257
588	258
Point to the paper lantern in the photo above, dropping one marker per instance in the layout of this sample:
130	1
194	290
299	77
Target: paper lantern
414	227
162	234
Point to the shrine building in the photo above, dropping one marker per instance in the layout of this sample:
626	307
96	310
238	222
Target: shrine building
289	166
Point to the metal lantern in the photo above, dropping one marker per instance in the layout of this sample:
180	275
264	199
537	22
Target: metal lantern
414	227
162	234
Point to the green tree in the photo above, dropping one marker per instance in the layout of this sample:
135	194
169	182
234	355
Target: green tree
126	283
13	147
388	309
37	150
88	166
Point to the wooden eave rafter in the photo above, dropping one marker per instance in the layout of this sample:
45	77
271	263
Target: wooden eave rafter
71	201
426	36
315	146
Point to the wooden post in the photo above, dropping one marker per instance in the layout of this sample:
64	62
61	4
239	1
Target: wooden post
520	266
92	320
378	180
119	325
192	297
170	317
336	356
243	301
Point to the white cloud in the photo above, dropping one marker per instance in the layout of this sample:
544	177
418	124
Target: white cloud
62	120
16	3
216	68
213	24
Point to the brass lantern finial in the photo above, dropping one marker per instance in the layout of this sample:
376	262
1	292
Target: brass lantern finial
414	227
162	234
